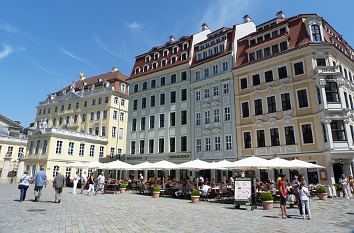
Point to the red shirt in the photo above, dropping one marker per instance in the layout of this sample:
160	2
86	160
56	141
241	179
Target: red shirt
282	189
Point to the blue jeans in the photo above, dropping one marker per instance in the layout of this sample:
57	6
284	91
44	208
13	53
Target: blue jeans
23	191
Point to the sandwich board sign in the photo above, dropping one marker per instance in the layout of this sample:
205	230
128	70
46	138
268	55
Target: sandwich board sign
243	190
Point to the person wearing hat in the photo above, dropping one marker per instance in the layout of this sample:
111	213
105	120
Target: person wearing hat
283	195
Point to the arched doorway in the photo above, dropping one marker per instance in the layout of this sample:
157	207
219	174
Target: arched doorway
337	170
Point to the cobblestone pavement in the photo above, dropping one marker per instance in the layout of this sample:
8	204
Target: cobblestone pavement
129	212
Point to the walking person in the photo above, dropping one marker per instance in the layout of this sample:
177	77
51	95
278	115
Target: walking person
23	186
283	195
58	184
40	180
91	183
101	182
344	183
83	182
75	182
305	204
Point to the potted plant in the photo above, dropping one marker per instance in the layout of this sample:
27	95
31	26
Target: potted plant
156	192
321	192
122	188
195	195
338	189
267	201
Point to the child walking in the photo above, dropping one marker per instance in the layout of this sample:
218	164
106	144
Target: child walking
304	198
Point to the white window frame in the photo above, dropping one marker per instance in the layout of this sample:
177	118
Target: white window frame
249	110
198	146
228	144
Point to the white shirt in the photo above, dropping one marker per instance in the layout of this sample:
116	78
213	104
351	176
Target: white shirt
303	194
76	179
141	177
83	178
205	189
201	179
25	180
101	179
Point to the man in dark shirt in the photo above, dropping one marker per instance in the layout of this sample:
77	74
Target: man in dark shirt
58	185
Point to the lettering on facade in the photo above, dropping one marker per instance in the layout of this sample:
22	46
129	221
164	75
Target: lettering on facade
134	158
179	156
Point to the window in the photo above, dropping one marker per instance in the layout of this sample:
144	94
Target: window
283	46
106	100
351	131
267	52
217	115
206	93
251	57
299	68
197	95
142	123
260	138
151	146
82	149
207	117
268	76
206	72
247	143
243	82
227	113
346	100
60	120
114	131
135	105
321	61
225	66
184	76
161	145
272	106
217	143
184	56
143	103
104	114
183	144
184	117
274	137
142	146
144	86
101	151
258	107
97	130
198	145
153	83
302	98
85	103
111	153
226	88
282	72
162	120
316	33
56	109
75	119
163	62
122	102
121	116
172	144
285	101
134	124
173	78
55	171
152	122
44	147
115	114
92	150
259	54
215	91
11	148
172	119
275	49
62	108
256	79
197	118
215	69
30	148
207	144
307	133
245	110
289	135
162	81
332	93
338	131
154	66
183	94
132	147
67	120
152	101
197	75
59	147
228	140
103	133
162	99
35	152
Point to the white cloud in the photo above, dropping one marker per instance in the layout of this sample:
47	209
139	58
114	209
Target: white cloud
135	26
6	51
225	13
70	54
8	28
123	53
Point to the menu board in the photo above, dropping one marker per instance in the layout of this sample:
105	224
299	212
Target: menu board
243	189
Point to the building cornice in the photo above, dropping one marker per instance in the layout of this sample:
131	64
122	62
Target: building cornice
4	138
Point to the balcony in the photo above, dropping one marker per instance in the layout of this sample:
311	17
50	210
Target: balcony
327	70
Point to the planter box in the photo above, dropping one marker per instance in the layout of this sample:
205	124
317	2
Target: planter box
267	205
195	199
122	190
155	194
322	196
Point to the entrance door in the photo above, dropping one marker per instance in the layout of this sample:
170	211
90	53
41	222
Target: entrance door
338	171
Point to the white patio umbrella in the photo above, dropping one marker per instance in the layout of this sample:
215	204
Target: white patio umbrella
93	164
117	165
279	163
163	165
303	164
220	165
76	165
142	166
194	165
252	162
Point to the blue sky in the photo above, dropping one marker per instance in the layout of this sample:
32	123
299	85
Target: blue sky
44	45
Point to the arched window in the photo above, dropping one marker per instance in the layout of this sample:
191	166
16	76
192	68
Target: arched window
147	58
173	59
154	65
146	68
137	70
316	33
55	170
165	52
175	49
185	45
184	56
156	55
164	62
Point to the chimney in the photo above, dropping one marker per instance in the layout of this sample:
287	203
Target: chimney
82	76
114	69
205	27
171	39
280	15
247	19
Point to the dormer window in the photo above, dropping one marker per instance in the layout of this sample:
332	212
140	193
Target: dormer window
316	33
184	56
156	56
123	87
147	58
163	62
165	53
154	65
137	70
173	59
185	45
175	49
252	42
146	67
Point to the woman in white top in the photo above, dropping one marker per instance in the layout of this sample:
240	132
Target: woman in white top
75	181
304	195
23	186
